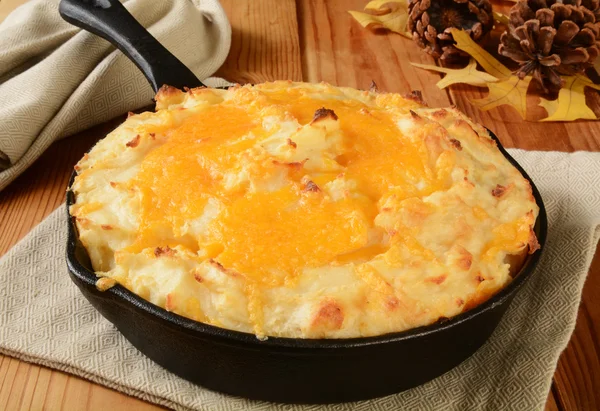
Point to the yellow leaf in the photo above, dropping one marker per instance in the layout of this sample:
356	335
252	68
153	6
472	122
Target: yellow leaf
394	20
511	91
501	18
550	105
570	104
468	75
465	43
378	5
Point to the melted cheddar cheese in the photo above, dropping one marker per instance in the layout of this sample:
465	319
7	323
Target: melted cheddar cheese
303	210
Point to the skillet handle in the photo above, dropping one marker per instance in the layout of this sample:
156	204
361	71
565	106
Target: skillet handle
110	20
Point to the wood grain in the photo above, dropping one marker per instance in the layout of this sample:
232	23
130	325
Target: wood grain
265	41
336	49
551	404
311	40
505	122
577	377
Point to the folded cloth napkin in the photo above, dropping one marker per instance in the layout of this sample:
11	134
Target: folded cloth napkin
56	80
45	320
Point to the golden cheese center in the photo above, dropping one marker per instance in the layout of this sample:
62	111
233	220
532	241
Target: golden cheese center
302	210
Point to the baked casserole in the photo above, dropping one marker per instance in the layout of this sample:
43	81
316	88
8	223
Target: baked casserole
303	210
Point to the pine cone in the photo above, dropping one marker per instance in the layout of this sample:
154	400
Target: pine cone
593	6
430	22
549	38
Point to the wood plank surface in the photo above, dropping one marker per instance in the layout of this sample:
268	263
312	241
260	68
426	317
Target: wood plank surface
337	50
577	377
311	40
265	42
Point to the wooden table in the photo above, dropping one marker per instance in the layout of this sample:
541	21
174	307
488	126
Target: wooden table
310	40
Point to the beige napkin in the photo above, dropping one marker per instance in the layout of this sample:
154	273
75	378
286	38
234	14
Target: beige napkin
45	320
56	80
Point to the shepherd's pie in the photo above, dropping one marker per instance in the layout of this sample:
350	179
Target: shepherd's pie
303	210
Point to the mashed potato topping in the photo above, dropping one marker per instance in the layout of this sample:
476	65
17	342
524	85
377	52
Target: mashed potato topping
303	210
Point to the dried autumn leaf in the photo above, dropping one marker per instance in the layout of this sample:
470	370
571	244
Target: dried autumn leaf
570	104
501	18
550	105
465	43
393	19
511	91
380	5
468	75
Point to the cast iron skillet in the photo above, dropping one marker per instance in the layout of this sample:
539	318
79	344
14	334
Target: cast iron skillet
278	369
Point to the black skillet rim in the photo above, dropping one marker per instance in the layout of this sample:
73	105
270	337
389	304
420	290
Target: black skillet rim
248	340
